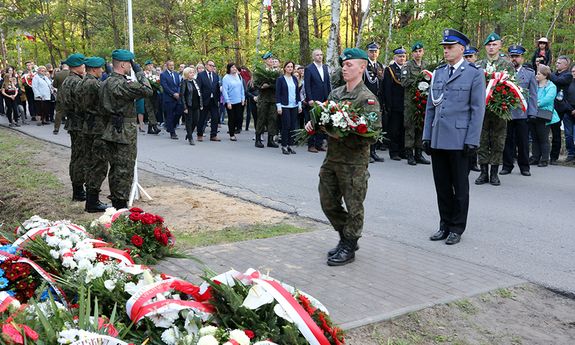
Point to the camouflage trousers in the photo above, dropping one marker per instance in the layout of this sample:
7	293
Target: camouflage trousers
150	110
413	133
98	163
122	158
492	140
267	118
339	184
77	168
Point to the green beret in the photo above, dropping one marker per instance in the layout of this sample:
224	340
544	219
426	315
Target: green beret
267	55
417	45
94	62
122	55
148	62
351	54
75	60
492	38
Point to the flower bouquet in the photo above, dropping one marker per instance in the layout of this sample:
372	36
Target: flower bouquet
420	95
339	120
503	94
262	76
155	82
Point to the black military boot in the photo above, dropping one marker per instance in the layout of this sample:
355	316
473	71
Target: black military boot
157	129
259	141
333	251
93	204
484	175
410	157
345	255
373	155
151	129
271	141
78	193
119	204
494	178
419	158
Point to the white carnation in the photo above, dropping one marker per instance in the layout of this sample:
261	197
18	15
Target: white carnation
423	86
110	284
55	254
65	244
69	262
170	336
208	330
208	340
240	336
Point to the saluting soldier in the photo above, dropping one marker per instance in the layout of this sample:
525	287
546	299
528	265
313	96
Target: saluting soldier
346	160
87	92
373	79
470	55
517	128
494	127
393	95
117	96
451	133
266	103
413	130
150	103
74	123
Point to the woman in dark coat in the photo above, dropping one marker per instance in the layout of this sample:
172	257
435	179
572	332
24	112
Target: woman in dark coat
192	101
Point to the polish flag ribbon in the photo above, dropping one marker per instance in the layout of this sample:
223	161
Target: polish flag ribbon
503	78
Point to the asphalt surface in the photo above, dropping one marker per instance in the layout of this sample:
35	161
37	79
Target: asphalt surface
523	227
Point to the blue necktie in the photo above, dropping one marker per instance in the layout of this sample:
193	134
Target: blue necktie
451	69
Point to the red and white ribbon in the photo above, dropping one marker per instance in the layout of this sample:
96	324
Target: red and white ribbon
503	78
29	235
427	73
117	254
6	300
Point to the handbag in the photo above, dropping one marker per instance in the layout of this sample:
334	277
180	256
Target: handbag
544	114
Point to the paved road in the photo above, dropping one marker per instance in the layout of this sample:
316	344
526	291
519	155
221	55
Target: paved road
523	227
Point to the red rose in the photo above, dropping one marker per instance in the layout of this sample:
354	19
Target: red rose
362	128
136	210
148	218
158	233
164	239
159	219
498	88
504	92
137	241
134	217
249	333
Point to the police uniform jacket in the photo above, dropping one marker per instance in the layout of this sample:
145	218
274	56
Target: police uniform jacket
455	107
525	78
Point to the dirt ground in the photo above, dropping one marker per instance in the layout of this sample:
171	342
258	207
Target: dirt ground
527	315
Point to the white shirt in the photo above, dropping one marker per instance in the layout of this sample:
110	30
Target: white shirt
457	65
319	69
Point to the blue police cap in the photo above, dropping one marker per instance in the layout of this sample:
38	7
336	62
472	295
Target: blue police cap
75	60
470	51
94	62
122	55
372	46
452	36
399	50
516	50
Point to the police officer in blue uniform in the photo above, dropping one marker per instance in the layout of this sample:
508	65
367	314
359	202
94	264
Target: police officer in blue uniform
453	120
517	129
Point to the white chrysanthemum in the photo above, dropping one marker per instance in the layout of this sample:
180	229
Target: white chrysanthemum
170	336
110	284
208	340
68	336
207	330
423	86
85	254
95	272
65	244
53	241
55	254
240	336
164	319
69	262
84	264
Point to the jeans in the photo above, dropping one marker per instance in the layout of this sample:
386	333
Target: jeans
569	127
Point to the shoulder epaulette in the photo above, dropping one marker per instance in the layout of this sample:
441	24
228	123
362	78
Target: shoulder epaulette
473	65
528	68
440	66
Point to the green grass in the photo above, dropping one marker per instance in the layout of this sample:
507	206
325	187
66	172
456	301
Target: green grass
505	293
234	234
465	306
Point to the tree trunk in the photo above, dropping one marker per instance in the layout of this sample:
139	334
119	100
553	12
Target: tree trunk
315	21
259	35
3	49
303	26
247	16
332	42
362	24
114	25
235	22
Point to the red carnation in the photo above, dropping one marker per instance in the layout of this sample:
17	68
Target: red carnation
136	210
148	218
158	233
134	217
159	219
362	128
249	333
137	241
504	92
498	88
164	239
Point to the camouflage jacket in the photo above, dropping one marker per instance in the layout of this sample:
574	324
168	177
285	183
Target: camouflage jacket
499	65
117	95
69	103
410	73
353	149
89	105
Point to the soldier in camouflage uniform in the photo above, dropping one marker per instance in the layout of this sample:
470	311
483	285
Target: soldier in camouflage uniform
59	78
74	123
494	127
87	91
150	102
267	112
343	173
117	96
409	76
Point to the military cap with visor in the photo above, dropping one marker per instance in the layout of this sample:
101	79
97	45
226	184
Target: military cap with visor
470	51
373	46
399	50
516	50
267	55
452	36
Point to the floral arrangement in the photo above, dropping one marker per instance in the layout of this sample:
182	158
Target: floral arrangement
420	95
27	79
262	76
154	82
88	292
502	93
340	120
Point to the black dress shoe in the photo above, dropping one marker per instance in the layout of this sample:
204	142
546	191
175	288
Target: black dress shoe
395	157
453	238
290	150
525	173
173	136
504	172
440	235
285	151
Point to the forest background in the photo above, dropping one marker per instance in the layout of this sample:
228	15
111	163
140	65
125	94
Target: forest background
190	31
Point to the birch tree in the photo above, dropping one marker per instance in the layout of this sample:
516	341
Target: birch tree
332	51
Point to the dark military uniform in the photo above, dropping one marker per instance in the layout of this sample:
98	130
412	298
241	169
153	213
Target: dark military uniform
413	131
74	123
267	113
343	173
393	95
494	127
117	96
59	78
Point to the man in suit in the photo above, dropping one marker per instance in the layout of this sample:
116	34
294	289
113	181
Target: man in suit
209	84
393	95
373	79
170	81
317	86
451	133
517	129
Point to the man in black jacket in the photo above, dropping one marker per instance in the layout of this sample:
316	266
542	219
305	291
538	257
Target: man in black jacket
393	95
562	79
569	119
